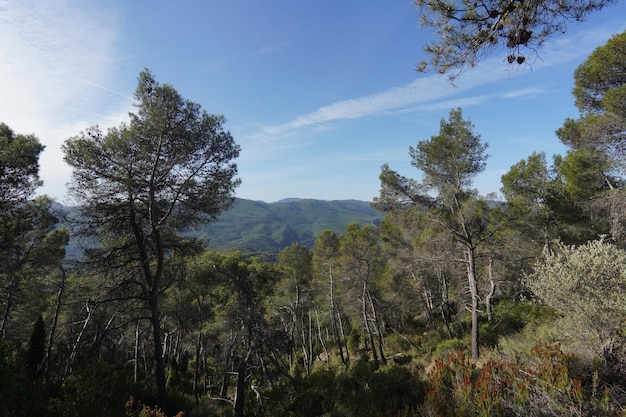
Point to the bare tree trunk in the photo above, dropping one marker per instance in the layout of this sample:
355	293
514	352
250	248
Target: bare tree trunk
379	330
7	311
136	353
79	338
342	335
427	300
366	324
305	352
311	356
334	319
55	320
492	290
196	371
321	338
445	302
473	289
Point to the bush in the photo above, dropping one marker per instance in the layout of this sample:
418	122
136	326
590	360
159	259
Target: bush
536	384
97	389
588	285
361	391
20	396
445	348
135	408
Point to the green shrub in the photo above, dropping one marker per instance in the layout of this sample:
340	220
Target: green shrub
20	396
98	389
446	347
538	383
361	391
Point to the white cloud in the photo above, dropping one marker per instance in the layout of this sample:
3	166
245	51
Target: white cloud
429	92
524	93
396	98
56	75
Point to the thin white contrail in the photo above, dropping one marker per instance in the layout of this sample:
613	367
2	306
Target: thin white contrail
97	85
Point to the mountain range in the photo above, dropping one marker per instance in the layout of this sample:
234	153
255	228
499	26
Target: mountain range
257	228
260	228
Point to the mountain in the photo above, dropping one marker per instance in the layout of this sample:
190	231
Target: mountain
256	227
263	229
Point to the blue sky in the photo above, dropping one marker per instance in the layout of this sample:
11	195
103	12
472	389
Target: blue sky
318	94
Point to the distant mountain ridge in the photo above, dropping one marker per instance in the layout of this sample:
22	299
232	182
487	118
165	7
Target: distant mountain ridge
257	227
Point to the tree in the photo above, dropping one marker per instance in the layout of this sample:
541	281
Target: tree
142	182
600	81
30	245
542	201
600	96
588	285
29	242
595	165
294	302
19	168
526	188
242	288
325	265
469	30
419	253
449	162
19	177
362	266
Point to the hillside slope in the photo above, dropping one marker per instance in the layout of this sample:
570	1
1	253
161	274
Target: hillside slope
254	227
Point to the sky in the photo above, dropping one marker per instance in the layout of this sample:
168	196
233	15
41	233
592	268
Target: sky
318	94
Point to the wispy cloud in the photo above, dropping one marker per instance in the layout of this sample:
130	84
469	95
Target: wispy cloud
526	92
417	91
433	92
56	75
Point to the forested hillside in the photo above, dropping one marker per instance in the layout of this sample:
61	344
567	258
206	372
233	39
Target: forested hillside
432	302
256	227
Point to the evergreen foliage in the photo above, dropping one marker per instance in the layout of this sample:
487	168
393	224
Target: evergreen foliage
468	31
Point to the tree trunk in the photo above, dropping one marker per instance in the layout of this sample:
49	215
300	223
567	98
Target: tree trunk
368	331
473	288
304	345
225	383
7	311
492	290
310	346
334	314
196	371
321	338
136	353
55	320
427	300
300	328
159	361
342	335
79	338
242	369
378	327
445	302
